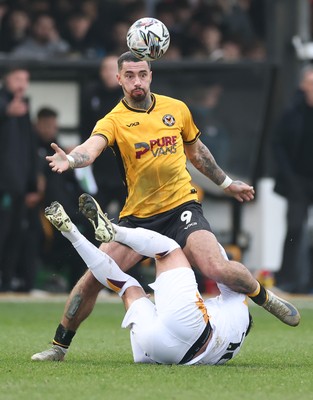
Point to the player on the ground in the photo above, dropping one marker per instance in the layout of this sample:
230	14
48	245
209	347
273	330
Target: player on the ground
152	135
180	328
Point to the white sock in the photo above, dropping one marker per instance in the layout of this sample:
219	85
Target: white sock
74	235
103	267
144	241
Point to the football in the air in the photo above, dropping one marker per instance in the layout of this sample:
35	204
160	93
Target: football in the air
148	39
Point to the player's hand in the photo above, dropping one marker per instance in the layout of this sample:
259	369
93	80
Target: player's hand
58	161
240	191
17	107
33	199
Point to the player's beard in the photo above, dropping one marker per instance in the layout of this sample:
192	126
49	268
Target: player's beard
138	98
141	100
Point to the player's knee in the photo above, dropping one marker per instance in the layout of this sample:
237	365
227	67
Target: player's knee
217	269
88	284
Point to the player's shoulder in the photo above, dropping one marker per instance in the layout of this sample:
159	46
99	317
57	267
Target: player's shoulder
167	99
115	112
118	108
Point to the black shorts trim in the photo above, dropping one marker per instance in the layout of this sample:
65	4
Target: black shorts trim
177	224
197	345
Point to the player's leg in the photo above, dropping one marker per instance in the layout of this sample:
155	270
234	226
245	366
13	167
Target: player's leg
203	251
103	267
165	333
140	318
81	301
193	232
78	307
143	241
141	315
146	242
230	315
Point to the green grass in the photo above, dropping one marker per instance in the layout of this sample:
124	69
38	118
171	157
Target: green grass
275	362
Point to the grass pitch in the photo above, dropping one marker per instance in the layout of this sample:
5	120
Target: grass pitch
275	361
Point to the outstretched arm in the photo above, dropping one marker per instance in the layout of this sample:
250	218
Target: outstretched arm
79	157
201	157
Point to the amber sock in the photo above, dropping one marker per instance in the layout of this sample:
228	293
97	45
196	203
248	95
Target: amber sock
259	296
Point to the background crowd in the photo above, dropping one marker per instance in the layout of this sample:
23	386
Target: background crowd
216	30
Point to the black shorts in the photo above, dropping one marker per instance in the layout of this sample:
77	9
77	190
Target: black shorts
177	223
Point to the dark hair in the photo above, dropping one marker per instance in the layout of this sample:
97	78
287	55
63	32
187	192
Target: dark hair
78	15
46	112
129	57
13	67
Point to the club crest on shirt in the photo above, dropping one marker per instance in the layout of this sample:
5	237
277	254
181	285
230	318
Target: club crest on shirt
168	120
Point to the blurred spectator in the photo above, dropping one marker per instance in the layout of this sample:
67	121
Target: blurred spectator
44	40
65	188
164	11
211	40
108	22
90	8
79	36
117	37
232	50
256	11
98	98
62	9
255	51
136	10
174	51
236	21
210	13
18	169
123	10
28	261
15	30
177	17
183	14
40	6
208	118
4	8
293	143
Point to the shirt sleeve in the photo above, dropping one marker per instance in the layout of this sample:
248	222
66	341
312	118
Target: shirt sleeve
190	131
106	127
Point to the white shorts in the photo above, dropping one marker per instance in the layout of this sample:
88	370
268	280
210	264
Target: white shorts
164	332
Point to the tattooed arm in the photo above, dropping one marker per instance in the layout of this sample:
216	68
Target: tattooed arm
80	156
201	157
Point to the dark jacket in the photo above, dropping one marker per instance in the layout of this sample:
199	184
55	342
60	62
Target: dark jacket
18	162
287	140
97	101
63	188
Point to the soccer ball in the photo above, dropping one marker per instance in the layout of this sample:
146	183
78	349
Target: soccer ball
148	39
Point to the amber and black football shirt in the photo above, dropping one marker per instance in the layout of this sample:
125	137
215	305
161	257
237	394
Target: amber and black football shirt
150	144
